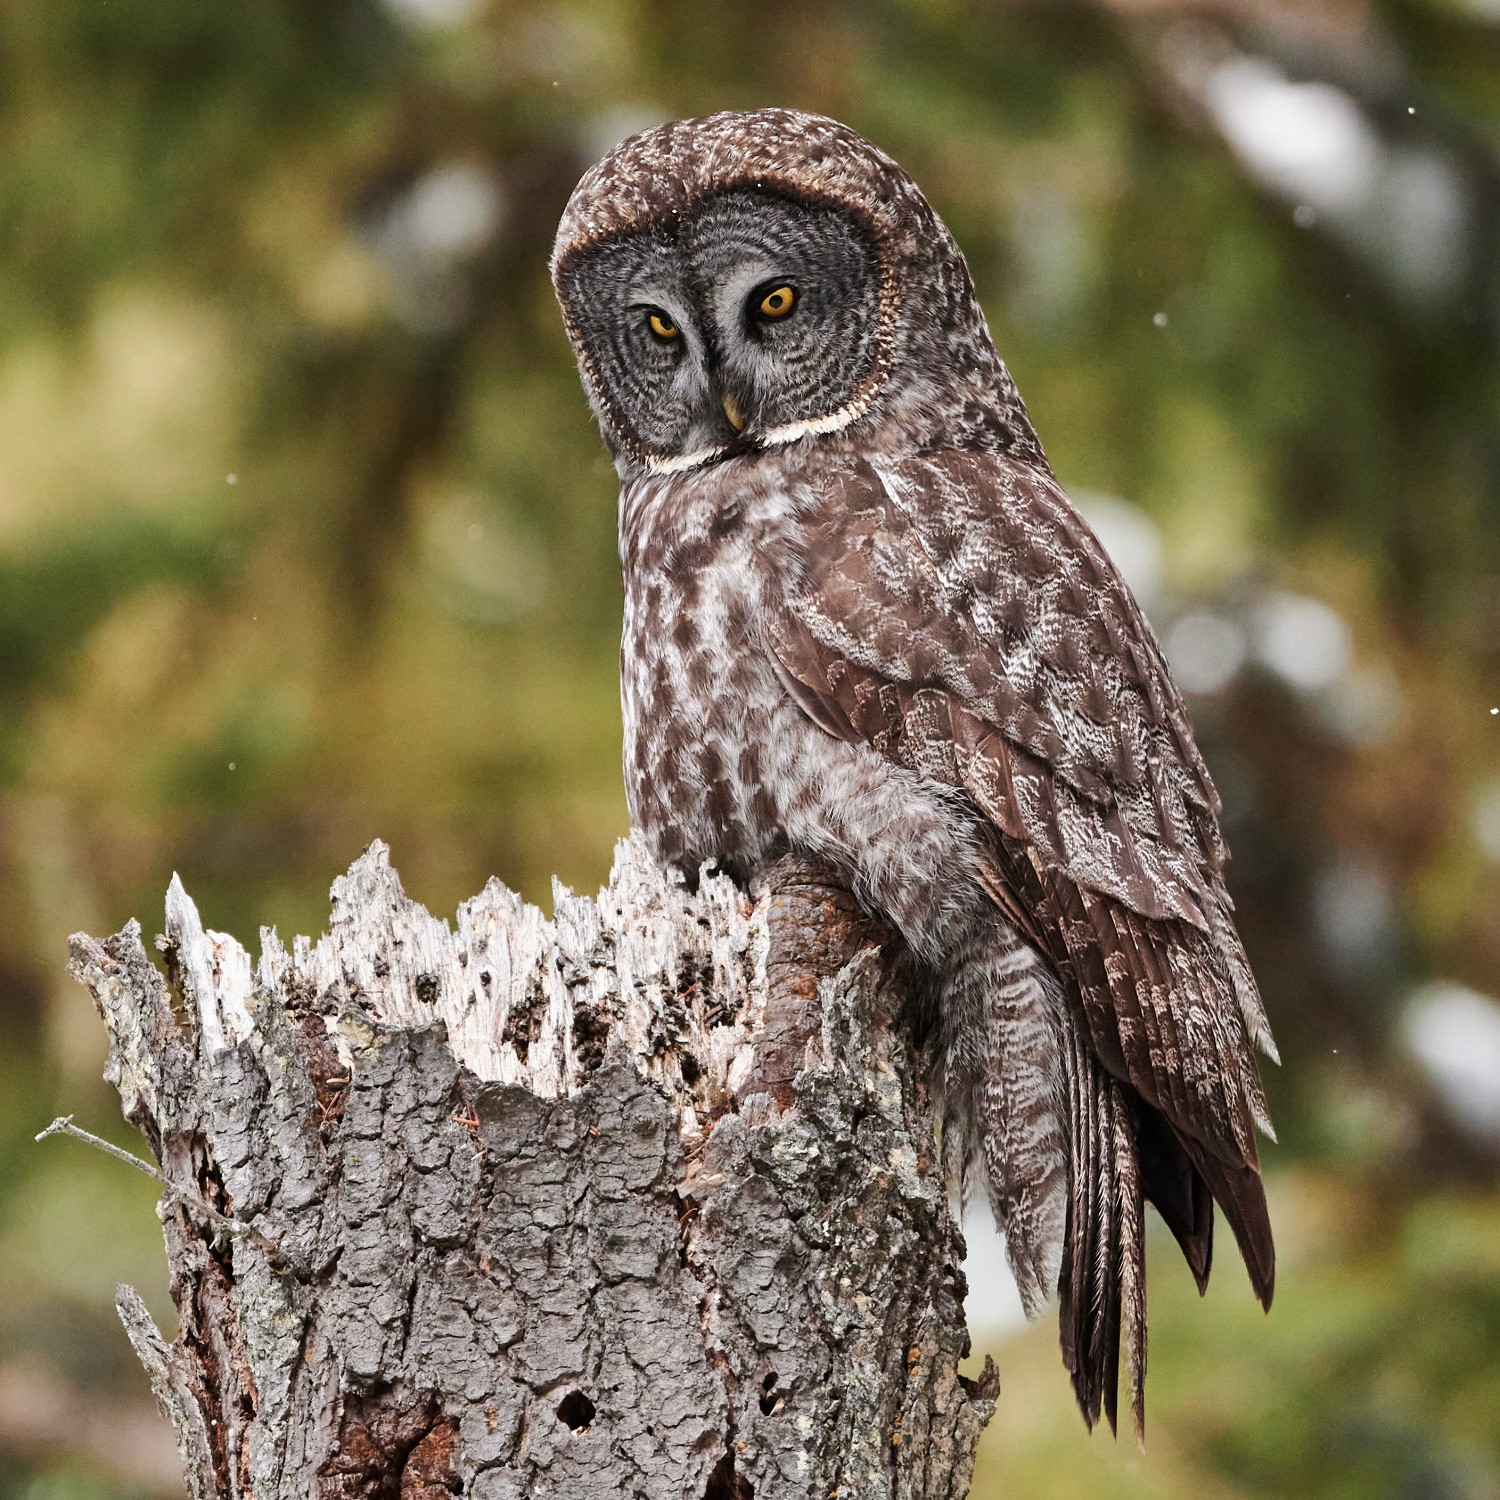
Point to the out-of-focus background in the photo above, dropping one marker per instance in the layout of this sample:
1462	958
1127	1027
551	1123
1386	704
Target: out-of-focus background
306	537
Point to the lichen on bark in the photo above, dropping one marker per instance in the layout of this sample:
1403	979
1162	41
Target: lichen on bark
641	1200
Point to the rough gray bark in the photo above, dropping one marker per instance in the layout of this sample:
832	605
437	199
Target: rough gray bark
642	1201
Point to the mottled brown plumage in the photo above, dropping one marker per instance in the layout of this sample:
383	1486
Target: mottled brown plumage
862	620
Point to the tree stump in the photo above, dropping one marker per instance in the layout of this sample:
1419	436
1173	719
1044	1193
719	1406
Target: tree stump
640	1201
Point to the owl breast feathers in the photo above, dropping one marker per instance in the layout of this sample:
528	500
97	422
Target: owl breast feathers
864	621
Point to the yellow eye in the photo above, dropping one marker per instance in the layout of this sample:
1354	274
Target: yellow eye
662	326
778	303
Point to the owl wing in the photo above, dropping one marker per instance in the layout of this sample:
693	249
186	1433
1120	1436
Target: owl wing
954	611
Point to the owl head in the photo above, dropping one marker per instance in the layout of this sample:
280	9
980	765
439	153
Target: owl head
746	281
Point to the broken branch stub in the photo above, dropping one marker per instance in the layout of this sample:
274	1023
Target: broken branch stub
639	1201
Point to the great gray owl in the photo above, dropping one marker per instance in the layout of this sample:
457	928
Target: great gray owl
862	621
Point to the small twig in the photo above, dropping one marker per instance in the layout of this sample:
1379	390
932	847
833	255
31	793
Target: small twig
63	1125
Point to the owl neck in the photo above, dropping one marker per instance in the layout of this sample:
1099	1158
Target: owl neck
948	386
677	524
971	405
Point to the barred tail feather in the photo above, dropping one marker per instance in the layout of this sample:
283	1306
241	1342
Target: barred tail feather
1070	1153
1003	1075
1103	1281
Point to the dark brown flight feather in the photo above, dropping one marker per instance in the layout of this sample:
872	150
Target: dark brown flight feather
1048	704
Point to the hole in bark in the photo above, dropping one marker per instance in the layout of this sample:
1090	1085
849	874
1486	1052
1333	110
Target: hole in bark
590	1032
769	1400
725	1484
576	1410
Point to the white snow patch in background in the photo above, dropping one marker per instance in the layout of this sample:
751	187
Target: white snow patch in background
1205	650
1309	141
993	1307
1303	641
1406	205
1454	1032
452	211
429	232
434	12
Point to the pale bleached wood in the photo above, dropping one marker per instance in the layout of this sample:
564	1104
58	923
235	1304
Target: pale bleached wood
638	1200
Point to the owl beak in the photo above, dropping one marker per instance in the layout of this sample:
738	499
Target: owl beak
735	415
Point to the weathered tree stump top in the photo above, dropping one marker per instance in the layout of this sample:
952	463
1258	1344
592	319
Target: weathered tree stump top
641	1200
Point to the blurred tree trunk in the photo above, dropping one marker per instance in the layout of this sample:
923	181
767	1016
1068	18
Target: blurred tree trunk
642	1201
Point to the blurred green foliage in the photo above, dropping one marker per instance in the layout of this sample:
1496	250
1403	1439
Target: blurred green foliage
306	537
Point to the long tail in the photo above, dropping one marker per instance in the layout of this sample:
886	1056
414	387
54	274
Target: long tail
1069	1156
1103	1281
1123	1156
